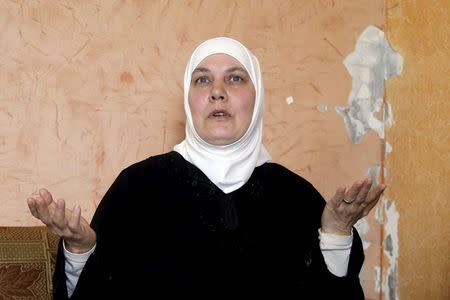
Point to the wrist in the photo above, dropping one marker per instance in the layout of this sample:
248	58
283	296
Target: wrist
78	247
336	230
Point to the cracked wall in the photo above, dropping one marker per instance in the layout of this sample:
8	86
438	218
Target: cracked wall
372	63
88	88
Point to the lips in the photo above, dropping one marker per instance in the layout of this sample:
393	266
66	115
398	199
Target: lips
219	113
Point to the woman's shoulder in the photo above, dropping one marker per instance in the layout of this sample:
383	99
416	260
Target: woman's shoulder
278	172
158	165
157	161
289	189
282	178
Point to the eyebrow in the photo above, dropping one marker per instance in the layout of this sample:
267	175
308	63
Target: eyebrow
206	70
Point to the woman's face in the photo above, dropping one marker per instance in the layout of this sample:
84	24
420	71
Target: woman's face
221	99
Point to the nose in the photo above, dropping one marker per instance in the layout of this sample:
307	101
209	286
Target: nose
218	93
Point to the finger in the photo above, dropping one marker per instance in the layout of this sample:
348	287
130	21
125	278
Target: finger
43	211
59	216
32	207
368	208
364	190
74	220
376	192
336	200
352	193
45	194
373	197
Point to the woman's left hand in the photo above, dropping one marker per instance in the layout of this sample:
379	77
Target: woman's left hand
348	206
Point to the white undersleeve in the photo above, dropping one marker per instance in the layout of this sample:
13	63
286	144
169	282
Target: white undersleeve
74	265
336	251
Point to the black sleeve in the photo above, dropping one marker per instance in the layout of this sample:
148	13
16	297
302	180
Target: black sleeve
320	283
94	280
313	280
59	276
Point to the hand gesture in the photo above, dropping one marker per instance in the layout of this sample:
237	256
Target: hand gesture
348	206
78	236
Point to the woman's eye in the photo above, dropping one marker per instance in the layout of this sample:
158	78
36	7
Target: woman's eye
236	78
202	80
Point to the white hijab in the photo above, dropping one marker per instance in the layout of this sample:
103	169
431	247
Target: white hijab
229	166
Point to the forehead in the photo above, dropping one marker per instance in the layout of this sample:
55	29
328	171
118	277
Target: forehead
219	61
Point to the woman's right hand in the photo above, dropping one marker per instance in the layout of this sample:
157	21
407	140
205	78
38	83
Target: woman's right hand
78	236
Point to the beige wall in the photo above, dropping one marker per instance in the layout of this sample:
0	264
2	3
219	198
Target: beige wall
88	87
419	164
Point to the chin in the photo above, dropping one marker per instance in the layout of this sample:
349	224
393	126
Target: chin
220	136
220	140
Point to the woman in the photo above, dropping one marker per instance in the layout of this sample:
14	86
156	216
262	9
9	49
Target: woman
213	218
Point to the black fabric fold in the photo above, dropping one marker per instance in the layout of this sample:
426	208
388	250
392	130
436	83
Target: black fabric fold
164	230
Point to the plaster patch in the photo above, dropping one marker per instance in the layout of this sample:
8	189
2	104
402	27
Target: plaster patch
387	148
391	250
388	245
322	107
379	213
388	115
374	173
377	276
372	62
363	228
289	100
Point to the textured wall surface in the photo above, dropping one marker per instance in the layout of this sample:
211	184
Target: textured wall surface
88	87
419	165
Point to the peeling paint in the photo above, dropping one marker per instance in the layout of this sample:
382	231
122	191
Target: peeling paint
388	116
388	244
377	276
322	107
374	173
372	62
363	228
289	100
387	148
379	213
391	250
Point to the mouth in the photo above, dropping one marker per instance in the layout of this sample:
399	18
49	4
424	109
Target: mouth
219	114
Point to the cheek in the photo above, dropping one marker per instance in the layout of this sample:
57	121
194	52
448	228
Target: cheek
247	106
194	103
